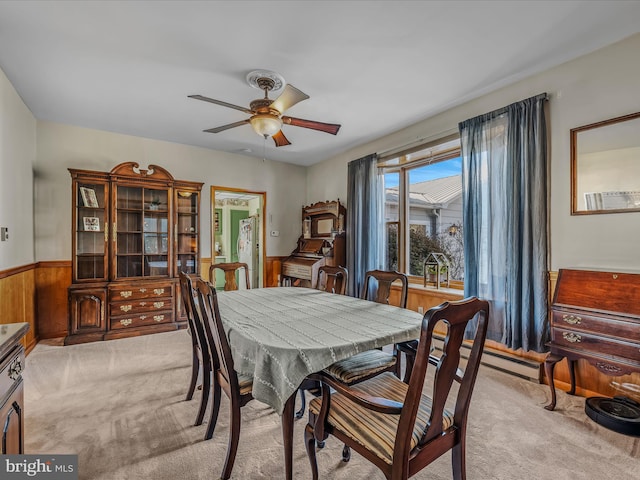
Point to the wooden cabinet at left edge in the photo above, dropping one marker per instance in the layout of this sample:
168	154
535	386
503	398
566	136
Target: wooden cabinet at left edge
133	231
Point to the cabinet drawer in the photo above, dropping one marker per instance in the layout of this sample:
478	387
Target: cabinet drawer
132	321
601	325
140	306
11	370
134	292
584	341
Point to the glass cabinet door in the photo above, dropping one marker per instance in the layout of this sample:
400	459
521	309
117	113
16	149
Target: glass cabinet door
188	224
142	225
91	231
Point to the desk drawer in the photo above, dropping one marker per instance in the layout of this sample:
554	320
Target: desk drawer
601	325
132	321
296	271
594	343
134	292
11	369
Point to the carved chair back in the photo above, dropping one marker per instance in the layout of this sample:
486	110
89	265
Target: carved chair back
377	286
332	279
230	270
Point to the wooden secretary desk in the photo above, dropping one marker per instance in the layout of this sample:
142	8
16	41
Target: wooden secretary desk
595	316
133	231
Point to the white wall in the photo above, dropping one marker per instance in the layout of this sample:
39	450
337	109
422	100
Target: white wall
17	155
592	88
60	147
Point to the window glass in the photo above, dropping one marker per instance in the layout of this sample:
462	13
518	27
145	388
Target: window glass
423	212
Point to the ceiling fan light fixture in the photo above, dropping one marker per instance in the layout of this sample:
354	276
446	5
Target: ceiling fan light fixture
266	124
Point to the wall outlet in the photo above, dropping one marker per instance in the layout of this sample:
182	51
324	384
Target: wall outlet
4	234
420	310
275	233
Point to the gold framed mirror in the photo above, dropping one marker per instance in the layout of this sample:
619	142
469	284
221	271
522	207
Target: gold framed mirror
605	166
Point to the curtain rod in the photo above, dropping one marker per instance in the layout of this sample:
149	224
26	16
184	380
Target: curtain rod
417	142
500	111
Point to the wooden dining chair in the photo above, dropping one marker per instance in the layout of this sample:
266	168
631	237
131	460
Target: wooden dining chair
229	270
360	367
332	279
201	358
235	386
393	424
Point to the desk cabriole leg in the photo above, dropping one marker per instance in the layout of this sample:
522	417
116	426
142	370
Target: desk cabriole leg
549	365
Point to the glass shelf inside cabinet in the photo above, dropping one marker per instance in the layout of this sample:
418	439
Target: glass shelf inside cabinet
90	234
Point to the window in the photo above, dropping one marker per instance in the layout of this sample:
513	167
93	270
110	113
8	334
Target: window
423	208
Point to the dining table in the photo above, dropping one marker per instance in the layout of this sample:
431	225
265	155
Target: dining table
280	335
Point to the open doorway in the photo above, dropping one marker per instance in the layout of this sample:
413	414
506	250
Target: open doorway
238	230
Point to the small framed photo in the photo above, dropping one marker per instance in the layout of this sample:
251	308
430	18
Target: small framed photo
91	224
89	197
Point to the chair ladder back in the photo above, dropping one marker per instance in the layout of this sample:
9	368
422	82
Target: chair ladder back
216	335
381	291
194	319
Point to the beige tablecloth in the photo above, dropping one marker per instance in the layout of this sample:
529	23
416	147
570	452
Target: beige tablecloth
281	335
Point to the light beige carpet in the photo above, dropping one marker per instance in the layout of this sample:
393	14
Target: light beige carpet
120	406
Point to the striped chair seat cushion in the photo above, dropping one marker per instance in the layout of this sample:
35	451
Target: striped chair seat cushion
246	383
377	431
352	369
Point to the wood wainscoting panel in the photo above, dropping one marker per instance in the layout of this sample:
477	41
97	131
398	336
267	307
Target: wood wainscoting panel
17	301
52	281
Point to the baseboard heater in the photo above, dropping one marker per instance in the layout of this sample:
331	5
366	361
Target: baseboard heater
505	362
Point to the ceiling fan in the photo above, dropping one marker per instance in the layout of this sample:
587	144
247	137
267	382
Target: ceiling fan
267	115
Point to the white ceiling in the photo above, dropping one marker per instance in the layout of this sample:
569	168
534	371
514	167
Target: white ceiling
372	66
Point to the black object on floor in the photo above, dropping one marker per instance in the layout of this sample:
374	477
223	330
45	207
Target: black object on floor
620	414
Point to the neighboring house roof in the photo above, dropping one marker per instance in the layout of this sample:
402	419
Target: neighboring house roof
432	193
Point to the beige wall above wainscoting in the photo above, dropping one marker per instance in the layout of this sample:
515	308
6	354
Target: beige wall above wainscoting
592	88
63	146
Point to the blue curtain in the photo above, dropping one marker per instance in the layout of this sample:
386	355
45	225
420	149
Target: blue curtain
365	208
504	195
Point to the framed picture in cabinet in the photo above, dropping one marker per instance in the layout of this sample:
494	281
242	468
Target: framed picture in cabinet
89	197
91	224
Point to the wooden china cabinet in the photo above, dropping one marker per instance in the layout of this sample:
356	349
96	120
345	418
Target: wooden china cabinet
133	231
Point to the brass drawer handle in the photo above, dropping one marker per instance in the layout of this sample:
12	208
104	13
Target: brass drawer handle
15	369
572	319
572	337
125	308
126	294
126	322
142	290
142	317
158	318
158	304
158	291
142	304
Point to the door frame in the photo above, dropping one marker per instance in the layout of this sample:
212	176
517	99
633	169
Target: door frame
263	224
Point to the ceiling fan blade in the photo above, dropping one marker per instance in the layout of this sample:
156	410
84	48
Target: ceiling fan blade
220	102
331	128
280	139
226	127
288	98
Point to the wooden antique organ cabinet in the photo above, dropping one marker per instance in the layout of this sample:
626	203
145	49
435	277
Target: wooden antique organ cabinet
133	231
322	242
